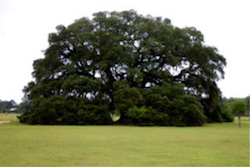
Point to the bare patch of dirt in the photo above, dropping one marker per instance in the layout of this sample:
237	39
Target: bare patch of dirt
4	122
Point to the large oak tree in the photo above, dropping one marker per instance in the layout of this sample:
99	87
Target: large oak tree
144	68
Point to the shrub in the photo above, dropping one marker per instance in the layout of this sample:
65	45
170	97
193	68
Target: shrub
146	116
186	111
93	115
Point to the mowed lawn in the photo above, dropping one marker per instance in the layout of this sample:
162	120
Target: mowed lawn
211	145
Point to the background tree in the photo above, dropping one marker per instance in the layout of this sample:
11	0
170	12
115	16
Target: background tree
239	107
127	63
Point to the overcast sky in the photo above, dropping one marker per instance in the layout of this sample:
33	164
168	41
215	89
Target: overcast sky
25	25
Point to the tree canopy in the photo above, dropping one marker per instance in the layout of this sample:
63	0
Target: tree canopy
142	67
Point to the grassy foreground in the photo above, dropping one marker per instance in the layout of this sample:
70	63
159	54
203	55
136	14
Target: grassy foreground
211	145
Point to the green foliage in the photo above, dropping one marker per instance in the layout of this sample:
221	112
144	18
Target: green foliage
227	113
166	105
187	110
239	106
93	115
126	98
70	111
124	62
213	103
146	116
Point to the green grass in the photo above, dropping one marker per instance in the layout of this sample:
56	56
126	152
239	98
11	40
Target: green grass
8	117
243	119
211	145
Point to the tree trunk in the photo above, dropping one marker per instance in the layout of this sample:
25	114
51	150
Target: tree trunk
239	120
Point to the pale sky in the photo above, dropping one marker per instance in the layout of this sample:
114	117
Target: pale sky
25	25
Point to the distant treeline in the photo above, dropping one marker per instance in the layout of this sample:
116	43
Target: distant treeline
7	106
12	107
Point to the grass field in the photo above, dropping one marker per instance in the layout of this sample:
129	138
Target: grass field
211	145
